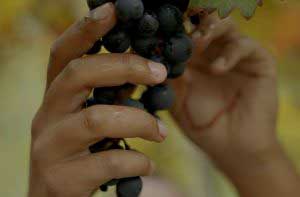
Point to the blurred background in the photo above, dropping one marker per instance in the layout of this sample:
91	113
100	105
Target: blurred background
27	29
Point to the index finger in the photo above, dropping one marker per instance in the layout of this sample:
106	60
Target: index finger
79	38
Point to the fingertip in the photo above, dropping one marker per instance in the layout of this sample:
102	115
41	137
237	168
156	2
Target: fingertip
102	12
163	131
159	71
218	66
152	168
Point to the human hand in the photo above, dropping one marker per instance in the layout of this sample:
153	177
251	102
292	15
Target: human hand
227	104
62	131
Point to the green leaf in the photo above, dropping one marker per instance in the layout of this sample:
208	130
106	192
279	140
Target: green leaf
225	7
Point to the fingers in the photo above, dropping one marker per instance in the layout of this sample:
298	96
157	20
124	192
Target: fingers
212	28
73	85
79	38
114	164
93	124
91	171
234	52
246	56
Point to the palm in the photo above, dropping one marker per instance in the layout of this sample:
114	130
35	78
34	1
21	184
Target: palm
227	111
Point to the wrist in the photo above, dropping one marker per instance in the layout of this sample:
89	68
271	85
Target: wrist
265	174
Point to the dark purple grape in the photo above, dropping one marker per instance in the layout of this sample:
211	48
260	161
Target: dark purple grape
159	97
148	25
170	19
145	46
129	9
96	48
133	103
116	41
178	49
176	71
105	95
96	3
129	187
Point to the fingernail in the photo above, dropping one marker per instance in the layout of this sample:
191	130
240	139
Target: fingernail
102	12
219	64
152	170
196	35
158	70
163	131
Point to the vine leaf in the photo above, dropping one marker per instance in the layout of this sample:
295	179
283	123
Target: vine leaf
225	7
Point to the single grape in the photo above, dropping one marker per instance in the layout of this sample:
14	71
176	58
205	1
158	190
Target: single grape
96	48
133	103
129	9
178	49
96	3
148	25
145	46
116	41
129	187
159	97
105	95
128	26
170	19
176	71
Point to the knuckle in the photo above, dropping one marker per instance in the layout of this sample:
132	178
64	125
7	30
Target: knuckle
73	68
89	119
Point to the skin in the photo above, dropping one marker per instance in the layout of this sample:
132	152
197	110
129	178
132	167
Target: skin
227	104
62	131
228	109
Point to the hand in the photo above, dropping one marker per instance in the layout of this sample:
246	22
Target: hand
62	131
227	104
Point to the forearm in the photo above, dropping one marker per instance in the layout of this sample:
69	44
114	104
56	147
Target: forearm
275	176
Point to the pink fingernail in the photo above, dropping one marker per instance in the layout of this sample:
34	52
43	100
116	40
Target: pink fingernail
163	131
102	12
219	63
158	70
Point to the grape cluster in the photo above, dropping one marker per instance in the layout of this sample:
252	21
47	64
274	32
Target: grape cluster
153	30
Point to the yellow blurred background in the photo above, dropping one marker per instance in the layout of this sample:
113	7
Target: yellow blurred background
27	29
